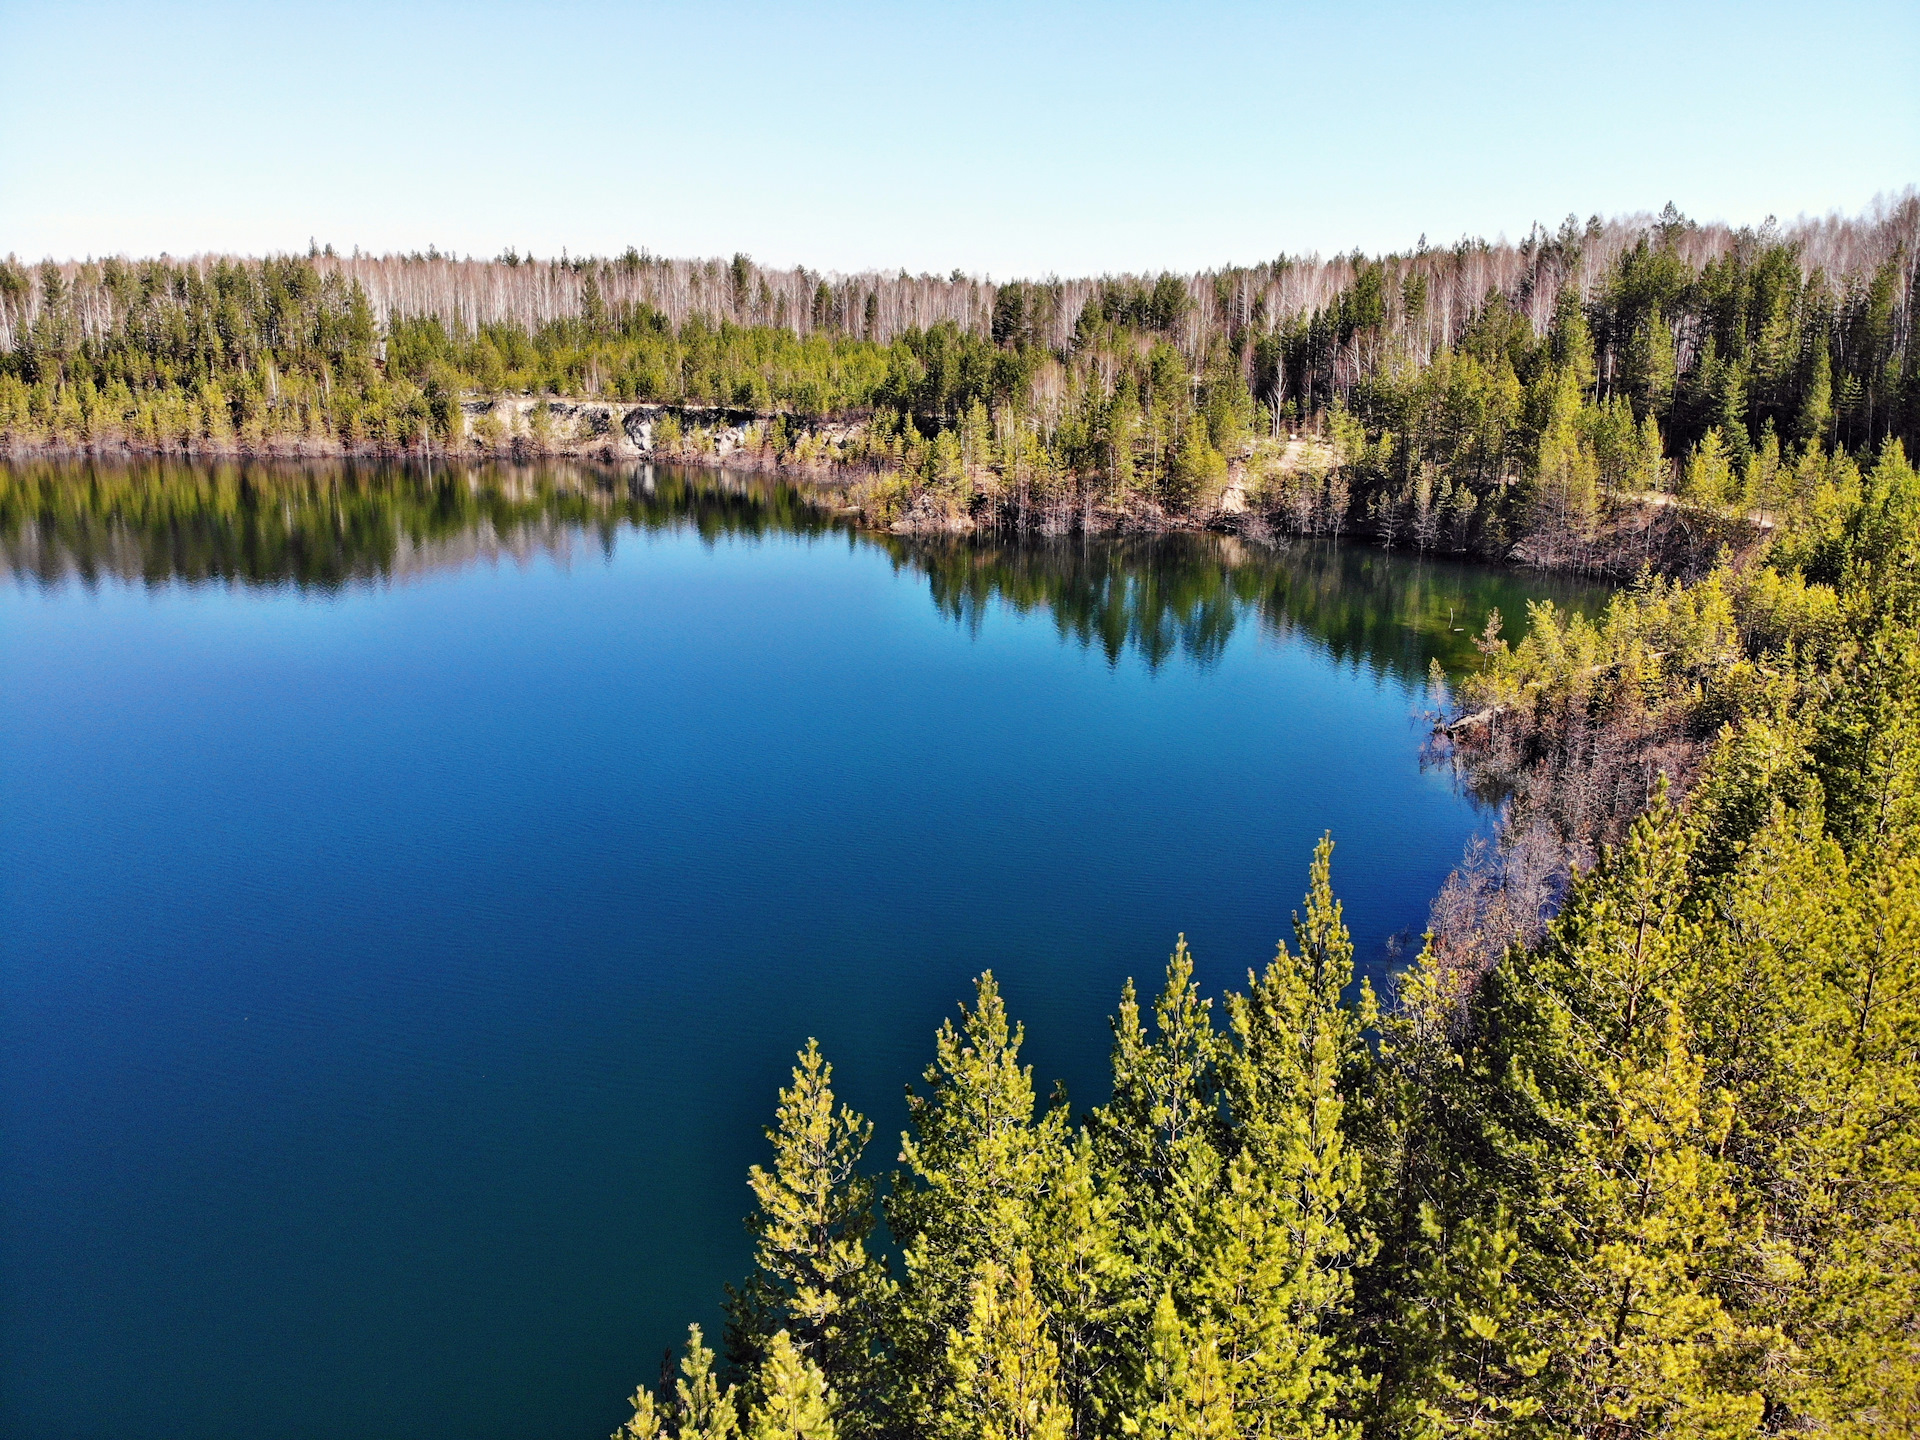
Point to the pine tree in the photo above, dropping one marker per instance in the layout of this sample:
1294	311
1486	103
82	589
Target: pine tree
1570	340
1650	365
1611	1141
699	1409
1813	426
816	1282
1158	1138
1730	414
1651	464
1709	472
1867	745
1813	1003
1416	1127
1565	506
794	1402
978	1168
1282	1234
1003	1369
1474	1361
1085	1277
706	1411
1183	1394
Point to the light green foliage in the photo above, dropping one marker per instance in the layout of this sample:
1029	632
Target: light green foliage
1868	741
1199	470
1614	1141
794	1402
1473	1357
1086	1275
816	1283
1811	1006
979	1165
698	1409
1004	1370
1565	507
1158	1137
1281	1239
1184	1393
1708	476
1814	423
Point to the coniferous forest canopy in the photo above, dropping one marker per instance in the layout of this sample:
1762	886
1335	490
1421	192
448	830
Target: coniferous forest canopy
1631	1147
1642	390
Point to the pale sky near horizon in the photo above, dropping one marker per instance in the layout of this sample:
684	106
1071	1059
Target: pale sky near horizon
1002	139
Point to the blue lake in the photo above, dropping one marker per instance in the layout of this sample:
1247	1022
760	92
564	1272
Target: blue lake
413	890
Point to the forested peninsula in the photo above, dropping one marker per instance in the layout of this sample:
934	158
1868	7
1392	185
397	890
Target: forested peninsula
1646	390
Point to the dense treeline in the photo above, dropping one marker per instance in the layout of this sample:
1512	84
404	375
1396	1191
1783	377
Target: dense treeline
1603	396
1652	1168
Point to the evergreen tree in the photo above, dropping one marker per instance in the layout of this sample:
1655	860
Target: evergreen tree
1004	1372
1709	471
1158	1138
1183	1394
1570	340
1473	1362
793	1401
1813	1004
1730	414
1651	464
1416	1126
1085	1275
1814	424
816	1282
1650	365
1283	1232
1565	505
978	1169
1611	1141
698	1409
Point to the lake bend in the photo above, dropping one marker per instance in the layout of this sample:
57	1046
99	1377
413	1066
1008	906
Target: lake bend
414	886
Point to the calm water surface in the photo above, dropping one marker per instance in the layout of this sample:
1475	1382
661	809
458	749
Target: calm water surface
413	889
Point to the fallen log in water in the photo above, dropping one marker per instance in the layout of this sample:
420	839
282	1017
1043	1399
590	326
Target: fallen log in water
1471	722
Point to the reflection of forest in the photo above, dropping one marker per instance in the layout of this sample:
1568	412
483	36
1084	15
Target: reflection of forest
328	526
1157	595
324	526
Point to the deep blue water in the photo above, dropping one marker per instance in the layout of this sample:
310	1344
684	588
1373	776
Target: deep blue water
398	959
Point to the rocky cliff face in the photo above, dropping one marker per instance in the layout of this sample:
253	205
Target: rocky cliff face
610	429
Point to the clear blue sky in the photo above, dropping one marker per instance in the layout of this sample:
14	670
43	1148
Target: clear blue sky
1011	139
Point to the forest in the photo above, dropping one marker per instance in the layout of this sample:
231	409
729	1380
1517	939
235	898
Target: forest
1631	1148
1619	393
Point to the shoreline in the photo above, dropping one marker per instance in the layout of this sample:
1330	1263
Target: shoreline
1654	531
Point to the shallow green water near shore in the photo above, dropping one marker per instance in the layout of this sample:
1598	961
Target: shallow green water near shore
413	888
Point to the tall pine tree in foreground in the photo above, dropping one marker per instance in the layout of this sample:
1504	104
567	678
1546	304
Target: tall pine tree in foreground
815	1280
1157	1143
793	1401
1285	1228
979	1165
